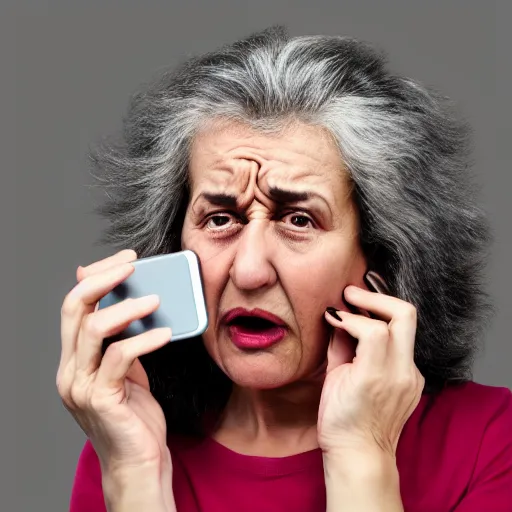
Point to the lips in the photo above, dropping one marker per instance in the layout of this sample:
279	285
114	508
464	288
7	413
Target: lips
254	329
238	314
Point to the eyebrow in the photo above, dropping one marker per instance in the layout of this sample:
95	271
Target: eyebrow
278	195
220	199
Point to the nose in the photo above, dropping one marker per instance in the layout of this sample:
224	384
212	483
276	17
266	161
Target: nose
252	267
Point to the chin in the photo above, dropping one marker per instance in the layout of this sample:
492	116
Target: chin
258	375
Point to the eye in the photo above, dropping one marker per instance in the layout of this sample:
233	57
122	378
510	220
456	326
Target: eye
299	220
220	221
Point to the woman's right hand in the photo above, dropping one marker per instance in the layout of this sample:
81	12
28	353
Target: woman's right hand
109	396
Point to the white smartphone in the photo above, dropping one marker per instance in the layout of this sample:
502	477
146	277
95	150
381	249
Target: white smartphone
176	279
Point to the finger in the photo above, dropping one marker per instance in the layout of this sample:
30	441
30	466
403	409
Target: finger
372	338
384	306
401	315
105	323
120	356
403	335
81	300
64	380
124	256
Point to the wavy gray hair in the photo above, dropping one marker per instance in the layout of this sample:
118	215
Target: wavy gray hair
407	156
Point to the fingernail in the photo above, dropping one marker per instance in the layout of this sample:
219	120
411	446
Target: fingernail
334	313
350	307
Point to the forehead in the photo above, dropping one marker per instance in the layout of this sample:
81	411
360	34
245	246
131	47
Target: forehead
234	156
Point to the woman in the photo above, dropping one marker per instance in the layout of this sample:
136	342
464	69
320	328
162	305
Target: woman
307	178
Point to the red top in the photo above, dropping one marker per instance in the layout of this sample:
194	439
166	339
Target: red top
454	454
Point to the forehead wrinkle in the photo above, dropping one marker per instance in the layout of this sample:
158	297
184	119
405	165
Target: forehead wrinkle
248	194
307	181
236	177
228	154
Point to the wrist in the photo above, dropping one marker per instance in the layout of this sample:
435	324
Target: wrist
136	489
362	481
365	461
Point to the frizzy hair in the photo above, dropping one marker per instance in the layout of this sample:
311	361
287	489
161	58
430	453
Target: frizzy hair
407	155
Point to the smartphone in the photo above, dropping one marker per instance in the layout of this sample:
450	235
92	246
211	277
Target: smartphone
176	279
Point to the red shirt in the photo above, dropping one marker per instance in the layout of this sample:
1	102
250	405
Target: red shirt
454	454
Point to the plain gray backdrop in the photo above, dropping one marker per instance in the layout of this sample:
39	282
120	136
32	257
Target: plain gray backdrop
74	67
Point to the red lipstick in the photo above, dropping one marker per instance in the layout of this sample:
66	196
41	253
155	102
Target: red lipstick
254	329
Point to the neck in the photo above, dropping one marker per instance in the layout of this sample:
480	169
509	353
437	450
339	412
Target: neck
272	423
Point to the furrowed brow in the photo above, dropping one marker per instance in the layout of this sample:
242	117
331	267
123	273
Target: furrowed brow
276	194
220	199
280	195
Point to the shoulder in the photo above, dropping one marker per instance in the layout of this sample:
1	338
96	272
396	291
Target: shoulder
465	419
467	401
457	448
471	423
481	433
477	402
484	411
471	391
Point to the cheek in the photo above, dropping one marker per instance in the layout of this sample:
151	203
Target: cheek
316	279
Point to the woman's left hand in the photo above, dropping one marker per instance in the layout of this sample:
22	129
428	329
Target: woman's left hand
367	400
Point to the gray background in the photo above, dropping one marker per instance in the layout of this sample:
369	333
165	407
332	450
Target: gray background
73	69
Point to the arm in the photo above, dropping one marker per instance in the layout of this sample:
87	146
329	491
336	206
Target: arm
136	490
108	392
366	401
132	491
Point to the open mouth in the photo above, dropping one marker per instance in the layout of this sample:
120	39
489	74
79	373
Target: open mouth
254	330
252	323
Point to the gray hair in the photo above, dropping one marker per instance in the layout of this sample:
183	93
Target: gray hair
406	152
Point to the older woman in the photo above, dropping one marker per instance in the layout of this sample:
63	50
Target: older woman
307	178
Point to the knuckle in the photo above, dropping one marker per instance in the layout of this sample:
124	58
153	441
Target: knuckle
129	253
117	351
379	331
409	382
410	312
63	390
77	395
92	325
70	305
419	379
405	382
63	385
